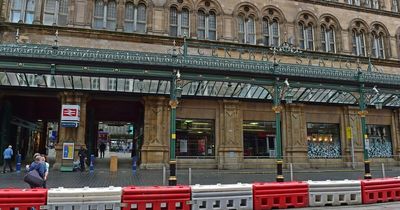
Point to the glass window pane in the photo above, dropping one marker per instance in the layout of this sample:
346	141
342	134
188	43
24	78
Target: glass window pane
259	139
380	141
323	140
201	25
275	33
195	138
98	14
141	19
173	21
251	36
301	36
111	16
241	29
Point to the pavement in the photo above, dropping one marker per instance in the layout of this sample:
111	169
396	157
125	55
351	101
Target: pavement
102	177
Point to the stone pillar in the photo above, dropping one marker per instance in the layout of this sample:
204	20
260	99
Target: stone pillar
352	120
120	15
230	149
38	12
155	148
294	134
76	135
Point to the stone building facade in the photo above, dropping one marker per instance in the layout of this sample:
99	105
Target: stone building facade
237	133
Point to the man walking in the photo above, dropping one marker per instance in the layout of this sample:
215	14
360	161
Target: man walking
82	157
7	155
102	149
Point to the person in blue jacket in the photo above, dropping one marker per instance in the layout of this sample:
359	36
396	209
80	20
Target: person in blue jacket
7	155
40	167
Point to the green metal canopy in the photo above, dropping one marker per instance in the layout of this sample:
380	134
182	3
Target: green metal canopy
89	69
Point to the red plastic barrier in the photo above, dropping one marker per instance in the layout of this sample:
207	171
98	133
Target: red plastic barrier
23	199
280	195
156	198
380	190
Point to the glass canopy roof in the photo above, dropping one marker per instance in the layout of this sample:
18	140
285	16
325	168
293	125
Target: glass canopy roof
204	88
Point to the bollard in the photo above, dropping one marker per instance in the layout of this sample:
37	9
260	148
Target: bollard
134	165
383	171
91	167
291	171
18	167
114	164
163	175
190	176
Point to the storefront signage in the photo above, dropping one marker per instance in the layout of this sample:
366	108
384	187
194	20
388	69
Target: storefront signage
70	116
349	133
367	144
68	151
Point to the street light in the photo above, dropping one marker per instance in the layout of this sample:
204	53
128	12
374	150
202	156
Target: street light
281	92
364	100
175	94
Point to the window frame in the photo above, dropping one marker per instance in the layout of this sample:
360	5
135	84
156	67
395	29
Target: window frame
246	34
358	44
179	19
23	11
304	38
270	34
328	39
57	12
207	29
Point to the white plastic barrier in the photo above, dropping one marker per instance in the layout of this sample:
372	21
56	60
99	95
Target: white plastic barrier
334	193
229	196
84	198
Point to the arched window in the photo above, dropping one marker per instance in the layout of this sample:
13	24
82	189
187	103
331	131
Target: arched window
247	30
306	36
207	25
359	43
22	10
179	22
378	49
55	12
375	4
395	5
271	32
354	2
111	20
328	39
98	14
135	18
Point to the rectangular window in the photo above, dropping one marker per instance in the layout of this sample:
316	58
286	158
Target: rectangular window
16	10
49	12
323	140
259	139
195	138
173	22
380	141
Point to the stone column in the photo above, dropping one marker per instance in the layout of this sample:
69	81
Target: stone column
230	149
38	12
294	133
120	15
76	135
155	148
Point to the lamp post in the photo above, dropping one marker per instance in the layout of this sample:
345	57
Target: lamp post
281	91
175	94
364	99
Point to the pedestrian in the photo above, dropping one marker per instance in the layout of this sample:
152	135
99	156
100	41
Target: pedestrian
82	156
102	149
7	155
47	165
40	167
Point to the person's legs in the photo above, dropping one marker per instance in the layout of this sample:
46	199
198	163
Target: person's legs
82	162
10	165
4	166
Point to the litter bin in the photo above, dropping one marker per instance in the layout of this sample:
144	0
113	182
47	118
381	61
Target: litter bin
113	164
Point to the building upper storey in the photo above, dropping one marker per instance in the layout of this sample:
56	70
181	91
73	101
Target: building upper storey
353	27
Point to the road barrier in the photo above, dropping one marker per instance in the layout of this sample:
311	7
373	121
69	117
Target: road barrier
280	195
380	190
84	198
22	199
156	198
334	193
230	196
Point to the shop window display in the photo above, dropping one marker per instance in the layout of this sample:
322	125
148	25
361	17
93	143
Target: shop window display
259	139
195	138
323	140
380	141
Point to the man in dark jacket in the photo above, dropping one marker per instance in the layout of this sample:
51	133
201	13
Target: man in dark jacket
82	156
102	149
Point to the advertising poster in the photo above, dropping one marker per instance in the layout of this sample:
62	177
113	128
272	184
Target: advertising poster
68	151
183	145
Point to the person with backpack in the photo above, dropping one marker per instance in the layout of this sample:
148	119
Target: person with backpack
36	179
